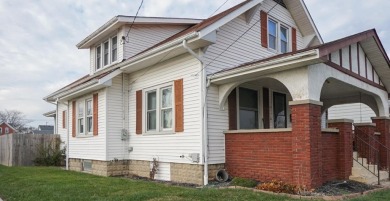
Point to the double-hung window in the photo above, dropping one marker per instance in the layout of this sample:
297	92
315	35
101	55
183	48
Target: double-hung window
159	109
114	49
80	118
278	36
98	57
88	111
248	108
106	54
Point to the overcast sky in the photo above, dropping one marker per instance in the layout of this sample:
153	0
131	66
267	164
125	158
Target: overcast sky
38	37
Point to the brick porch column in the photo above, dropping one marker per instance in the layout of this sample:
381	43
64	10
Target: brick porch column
362	141
383	127
345	150
306	143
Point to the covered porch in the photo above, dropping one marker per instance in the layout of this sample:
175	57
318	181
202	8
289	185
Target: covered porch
276	110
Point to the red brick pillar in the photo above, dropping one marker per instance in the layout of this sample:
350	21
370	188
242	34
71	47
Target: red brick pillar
344	145
306	143
383	127
365	132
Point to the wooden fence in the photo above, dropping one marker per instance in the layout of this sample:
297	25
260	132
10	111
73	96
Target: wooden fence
22	149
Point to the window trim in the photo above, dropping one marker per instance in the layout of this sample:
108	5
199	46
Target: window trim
111	49
101	45
83	102
259	107
108	53
159	130
279	25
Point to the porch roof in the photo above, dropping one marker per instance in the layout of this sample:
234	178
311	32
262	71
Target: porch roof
368	40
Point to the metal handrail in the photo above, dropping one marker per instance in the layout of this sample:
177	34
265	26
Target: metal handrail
376	159
382	145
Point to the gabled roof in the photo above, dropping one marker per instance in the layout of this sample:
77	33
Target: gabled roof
369	40
8	126
121	20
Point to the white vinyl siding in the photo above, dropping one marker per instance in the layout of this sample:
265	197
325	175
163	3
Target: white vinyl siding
248	47
358	112
93	147
145	36
117	109
63	132
169	147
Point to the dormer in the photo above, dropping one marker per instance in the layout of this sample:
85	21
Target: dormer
125	36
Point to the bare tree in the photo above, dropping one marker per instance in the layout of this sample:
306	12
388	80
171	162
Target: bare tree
14	118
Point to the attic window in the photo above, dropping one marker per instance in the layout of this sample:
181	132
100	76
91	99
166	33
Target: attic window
106	53
280	2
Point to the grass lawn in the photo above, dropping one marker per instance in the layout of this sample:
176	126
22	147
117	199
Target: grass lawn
42	183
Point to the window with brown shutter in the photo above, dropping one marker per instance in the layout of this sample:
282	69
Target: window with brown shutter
179	111
95	114
138	109
294	39
264	29
74	119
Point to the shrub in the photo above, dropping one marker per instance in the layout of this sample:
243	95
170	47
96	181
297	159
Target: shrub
249	183
278	187
50	154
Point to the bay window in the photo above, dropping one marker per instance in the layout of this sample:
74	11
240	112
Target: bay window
159	109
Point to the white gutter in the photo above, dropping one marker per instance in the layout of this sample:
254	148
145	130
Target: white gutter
204	86
252	68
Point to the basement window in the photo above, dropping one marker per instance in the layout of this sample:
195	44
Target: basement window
87	165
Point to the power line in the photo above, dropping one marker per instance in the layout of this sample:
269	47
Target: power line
125	38
215	58
218	8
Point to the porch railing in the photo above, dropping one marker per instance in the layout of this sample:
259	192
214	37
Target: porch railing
372	150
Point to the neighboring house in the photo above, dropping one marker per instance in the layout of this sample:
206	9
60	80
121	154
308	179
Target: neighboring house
53	115
243	90
5	128
44	129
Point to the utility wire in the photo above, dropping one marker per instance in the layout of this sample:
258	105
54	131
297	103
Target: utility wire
215	58
126	39
218	8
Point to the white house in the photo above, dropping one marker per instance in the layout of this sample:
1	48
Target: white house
188	93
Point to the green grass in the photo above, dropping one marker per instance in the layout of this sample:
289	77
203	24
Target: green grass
42	183
244	182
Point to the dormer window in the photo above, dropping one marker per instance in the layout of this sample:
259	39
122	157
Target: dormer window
114	47
106	53
98	57
278	36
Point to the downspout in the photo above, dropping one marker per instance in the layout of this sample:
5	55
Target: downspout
204	86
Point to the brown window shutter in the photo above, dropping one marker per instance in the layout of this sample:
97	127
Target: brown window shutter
264	29
138	104
294	39
266	108
74	119
95	114
63	119
232	104
179	110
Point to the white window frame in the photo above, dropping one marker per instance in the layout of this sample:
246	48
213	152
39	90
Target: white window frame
278	44
159	129
108	53
111	49
83	102
101	45
6	130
